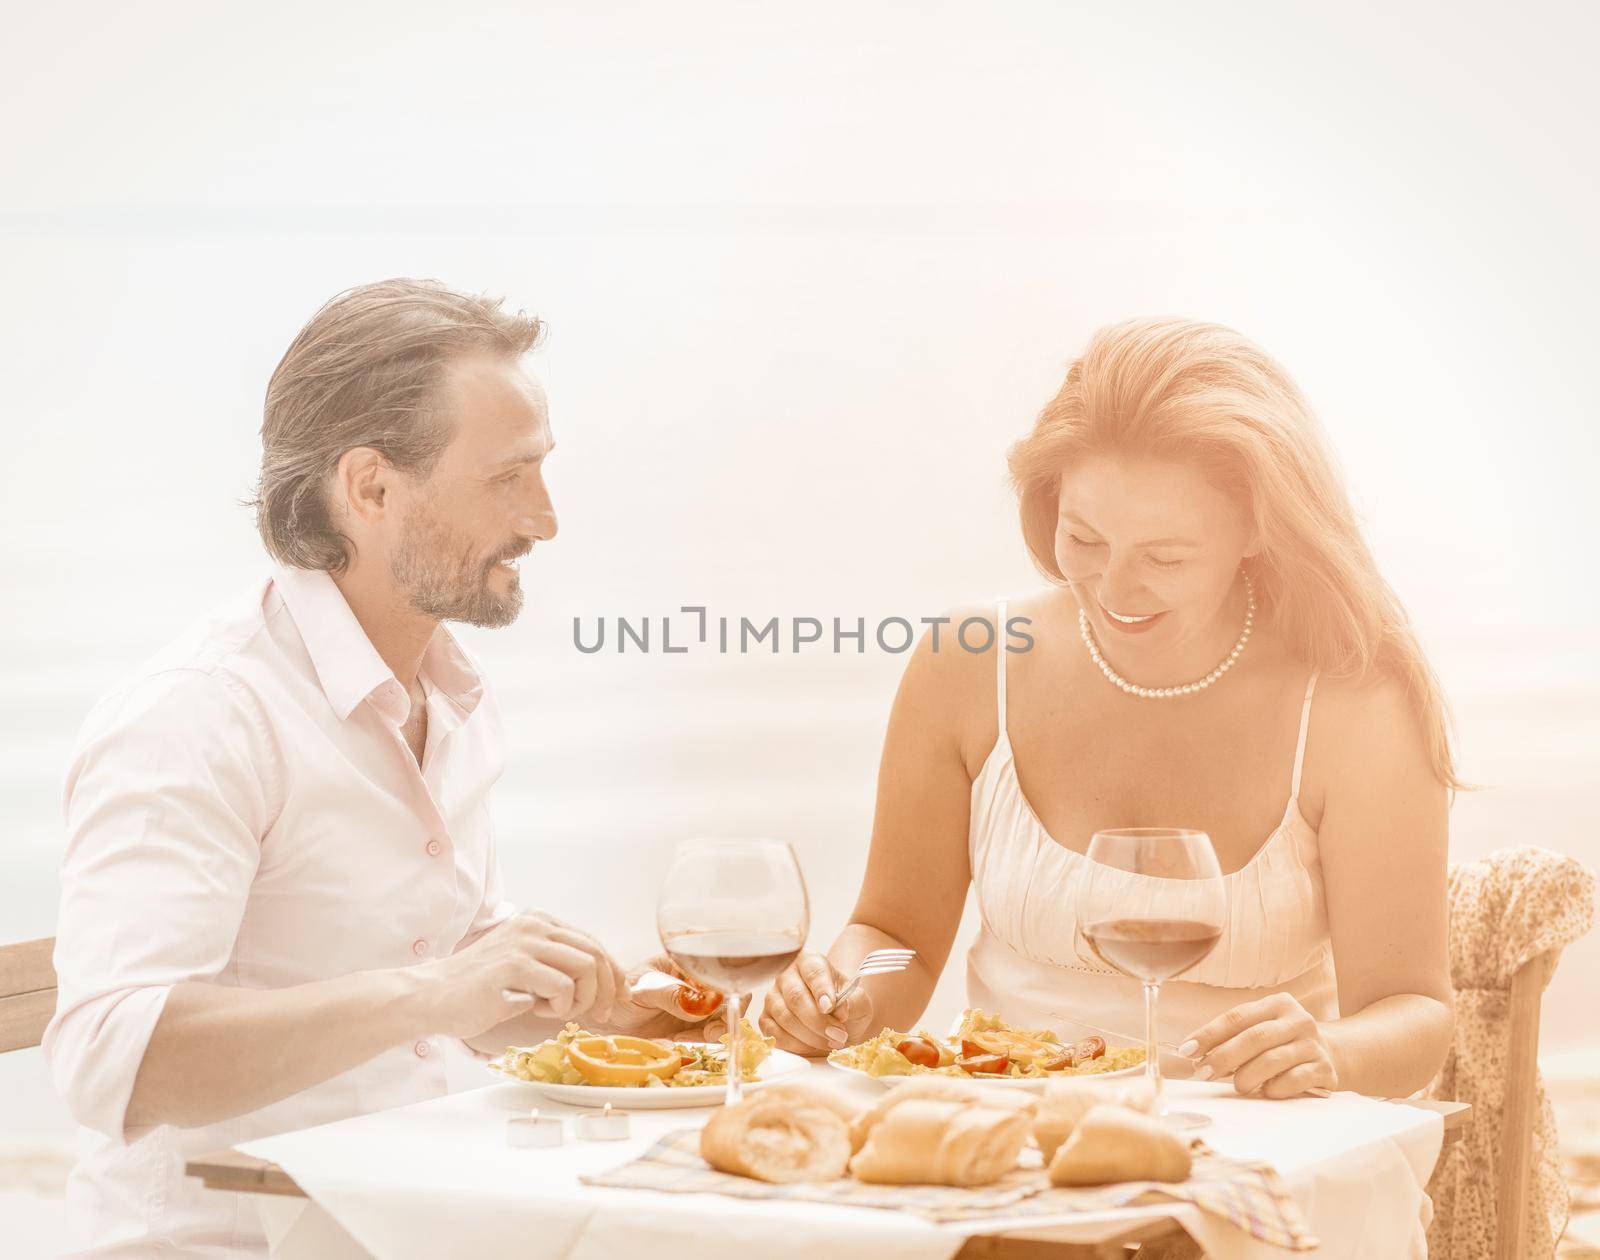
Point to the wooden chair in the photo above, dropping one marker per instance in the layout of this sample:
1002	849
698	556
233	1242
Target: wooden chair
1521	1104
27	993
1511	914
1520	1107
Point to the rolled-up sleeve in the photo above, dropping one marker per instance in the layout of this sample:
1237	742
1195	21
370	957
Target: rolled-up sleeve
166	800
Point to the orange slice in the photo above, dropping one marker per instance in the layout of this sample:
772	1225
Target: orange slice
622	1060
1021	1047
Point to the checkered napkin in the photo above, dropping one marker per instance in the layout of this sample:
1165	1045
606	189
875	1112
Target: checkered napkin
1249	1195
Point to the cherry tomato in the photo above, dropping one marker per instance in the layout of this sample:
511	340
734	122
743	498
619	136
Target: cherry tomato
976	1050
698	1003
1089	1048
985	1064
1060	1063
920	1051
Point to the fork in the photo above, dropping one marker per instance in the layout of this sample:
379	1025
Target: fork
880	962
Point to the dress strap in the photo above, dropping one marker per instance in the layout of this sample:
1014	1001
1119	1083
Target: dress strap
1300	745
1000	667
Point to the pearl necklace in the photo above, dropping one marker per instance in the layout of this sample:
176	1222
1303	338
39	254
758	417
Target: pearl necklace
1165	693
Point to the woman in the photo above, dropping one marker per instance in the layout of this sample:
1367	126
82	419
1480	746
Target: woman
1218	651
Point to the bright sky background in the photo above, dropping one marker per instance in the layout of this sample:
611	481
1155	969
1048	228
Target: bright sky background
808	272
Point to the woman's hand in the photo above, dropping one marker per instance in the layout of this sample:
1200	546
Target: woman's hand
799	1010
1272	1046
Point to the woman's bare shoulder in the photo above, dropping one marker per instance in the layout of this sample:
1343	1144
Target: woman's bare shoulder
1044	603
957	650
952	657
1366	731
952	679
1375	706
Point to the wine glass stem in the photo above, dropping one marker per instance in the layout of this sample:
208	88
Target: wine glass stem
1152	1048
735	1076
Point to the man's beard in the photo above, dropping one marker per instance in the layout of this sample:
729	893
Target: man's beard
443	578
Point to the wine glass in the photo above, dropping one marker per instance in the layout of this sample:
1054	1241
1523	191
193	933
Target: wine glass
1172	919
733	914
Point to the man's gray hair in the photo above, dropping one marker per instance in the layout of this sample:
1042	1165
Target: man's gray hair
366	371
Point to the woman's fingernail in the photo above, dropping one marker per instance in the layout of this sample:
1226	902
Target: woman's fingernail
1203	1072
837	1036
1188	1048
825	1003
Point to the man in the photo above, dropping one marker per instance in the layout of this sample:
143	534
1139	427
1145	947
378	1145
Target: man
280	890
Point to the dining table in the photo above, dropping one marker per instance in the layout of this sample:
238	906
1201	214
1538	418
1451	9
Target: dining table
440	1179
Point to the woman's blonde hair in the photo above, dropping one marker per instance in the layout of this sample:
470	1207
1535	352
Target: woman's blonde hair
366	371
1203	394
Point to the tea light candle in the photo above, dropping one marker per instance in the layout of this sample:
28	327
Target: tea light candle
536	1130
604	1126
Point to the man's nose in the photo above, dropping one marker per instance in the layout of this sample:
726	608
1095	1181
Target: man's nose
538	518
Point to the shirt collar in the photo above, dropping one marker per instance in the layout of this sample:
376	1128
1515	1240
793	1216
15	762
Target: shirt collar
447	667
349	667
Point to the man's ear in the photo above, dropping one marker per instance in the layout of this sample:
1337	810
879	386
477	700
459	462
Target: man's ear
365	480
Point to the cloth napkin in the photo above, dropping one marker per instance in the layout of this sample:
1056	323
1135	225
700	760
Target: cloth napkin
1248	1195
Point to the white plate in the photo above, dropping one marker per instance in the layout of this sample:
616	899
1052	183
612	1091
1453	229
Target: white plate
996	1082
776	1067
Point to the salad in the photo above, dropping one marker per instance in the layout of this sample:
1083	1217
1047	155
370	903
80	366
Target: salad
575	1056
985	1046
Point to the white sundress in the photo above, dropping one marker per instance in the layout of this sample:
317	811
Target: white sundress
1025	963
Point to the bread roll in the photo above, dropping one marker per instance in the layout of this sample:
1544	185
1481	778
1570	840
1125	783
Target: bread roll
809	1094
1113	1143
784	1133
1066	1102
925	1141
939	1089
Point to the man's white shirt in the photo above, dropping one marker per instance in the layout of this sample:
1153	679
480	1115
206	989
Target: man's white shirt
245	811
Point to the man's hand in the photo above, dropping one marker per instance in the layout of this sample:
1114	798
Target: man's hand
569	973
657	1014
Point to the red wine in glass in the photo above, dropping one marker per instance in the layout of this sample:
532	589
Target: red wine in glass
732	914
1157	924
732	962
1152	949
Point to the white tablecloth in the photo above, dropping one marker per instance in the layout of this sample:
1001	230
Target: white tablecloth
438	1180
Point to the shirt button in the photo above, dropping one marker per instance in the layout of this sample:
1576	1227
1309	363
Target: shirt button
433	848
423	1049
420	949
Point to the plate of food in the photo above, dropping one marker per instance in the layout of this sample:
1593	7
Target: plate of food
589	1069
986	1049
